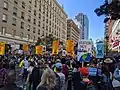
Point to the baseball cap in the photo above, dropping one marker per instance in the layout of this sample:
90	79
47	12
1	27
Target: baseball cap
58	65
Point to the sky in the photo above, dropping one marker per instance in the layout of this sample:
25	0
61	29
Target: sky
96	25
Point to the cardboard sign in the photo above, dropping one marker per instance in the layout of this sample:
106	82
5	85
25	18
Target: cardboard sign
55	47
39	50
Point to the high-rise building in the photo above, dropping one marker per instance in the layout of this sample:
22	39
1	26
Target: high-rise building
84	22
25	20
73	32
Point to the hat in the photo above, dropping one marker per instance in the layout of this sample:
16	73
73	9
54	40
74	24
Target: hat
108	60
58	65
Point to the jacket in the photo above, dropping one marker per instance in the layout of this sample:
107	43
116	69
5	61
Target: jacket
116	74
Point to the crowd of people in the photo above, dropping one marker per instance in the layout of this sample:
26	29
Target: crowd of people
58	73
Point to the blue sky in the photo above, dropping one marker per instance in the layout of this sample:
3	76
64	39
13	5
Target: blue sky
96	27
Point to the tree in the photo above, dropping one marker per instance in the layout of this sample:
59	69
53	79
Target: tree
110	10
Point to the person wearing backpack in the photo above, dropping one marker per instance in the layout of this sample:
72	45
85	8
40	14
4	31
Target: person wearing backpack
36	75
60	77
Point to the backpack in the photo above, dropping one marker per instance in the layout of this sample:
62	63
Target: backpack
36	75
57	87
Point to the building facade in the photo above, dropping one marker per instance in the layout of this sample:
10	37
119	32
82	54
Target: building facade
24	21
84	22
73	32
114	38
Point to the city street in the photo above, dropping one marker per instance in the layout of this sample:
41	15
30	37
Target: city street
59	45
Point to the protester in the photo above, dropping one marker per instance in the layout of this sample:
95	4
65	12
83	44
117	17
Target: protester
37	74
48	80
60	77
3	74
10	85
29	77
117	77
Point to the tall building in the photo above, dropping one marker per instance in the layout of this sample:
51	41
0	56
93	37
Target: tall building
84	22
73	31
24	21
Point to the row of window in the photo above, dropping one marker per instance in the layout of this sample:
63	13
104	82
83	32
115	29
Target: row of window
3	32
5	17
35	13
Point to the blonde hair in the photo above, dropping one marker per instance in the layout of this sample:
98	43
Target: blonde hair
48	79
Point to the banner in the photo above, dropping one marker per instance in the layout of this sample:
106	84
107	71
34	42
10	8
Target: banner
2	48
39	50
25	47
55	47
70	47
100	50
84	50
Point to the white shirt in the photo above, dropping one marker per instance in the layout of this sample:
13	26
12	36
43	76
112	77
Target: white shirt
25	64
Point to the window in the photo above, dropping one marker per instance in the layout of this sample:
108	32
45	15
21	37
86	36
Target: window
34	29
23	4
22	15
21	35
33	38
14	22
46	20
39	16
38	31
30	1
29	18
35	3
29	10
14	11
39	23
4	18
34	21
16	1
5	5
50	23
43	26
42	33
43	10
13	32
28	36
40	8
28	27
50	16
47	14
22	25
3	30
49	29
35	12
43	18
46	28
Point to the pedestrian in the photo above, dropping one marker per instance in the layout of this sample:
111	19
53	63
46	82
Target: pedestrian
10	85
37	74
60	77
29	77
3	74
25	64
117	77
48	80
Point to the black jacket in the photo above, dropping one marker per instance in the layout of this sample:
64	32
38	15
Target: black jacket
11	87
